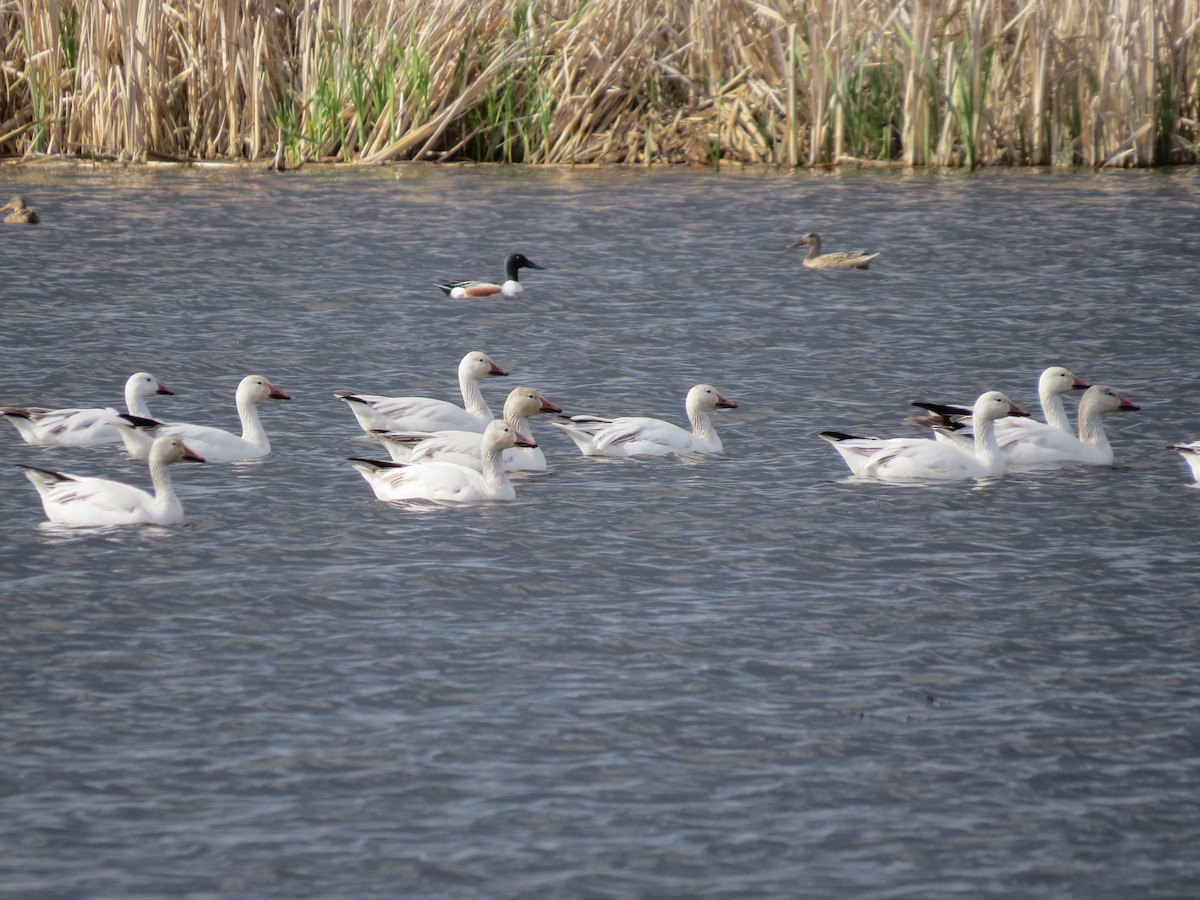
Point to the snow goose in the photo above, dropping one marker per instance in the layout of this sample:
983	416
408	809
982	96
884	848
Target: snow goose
918	459
446	482
644	436
464	447
1190	452
815	259
91	502
1053	383
426	414
216	444
84	427
1043	445
21	214
511	286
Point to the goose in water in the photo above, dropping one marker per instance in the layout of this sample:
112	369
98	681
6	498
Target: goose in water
815	259
21	214
216	444
644	436
90	502
1037	445
918	459
1190	452
511	286
426	414
465	447
446	482
1053	384
84	427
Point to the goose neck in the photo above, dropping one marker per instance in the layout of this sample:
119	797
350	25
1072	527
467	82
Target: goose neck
1091	427
472	394
1055	412
252	428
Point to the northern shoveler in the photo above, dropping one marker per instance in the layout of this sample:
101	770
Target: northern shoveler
511	286
21	214
815	259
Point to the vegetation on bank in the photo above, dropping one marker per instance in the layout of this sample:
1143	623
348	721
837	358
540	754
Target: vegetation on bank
786	82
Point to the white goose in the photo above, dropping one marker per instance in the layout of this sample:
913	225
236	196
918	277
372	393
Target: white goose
1027	444
84	427
217	444
918	459
445	482
1053	383
644	436
464	447
1047	446
378	413
1190	452
91	502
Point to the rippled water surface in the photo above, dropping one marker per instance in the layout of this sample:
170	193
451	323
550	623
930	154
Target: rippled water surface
742	676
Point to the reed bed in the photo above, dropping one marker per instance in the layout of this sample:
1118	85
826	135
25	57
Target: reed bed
642	82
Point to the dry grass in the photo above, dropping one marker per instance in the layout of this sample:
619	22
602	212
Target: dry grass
923	82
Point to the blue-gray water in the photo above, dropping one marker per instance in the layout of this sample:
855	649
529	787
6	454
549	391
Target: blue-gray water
748	676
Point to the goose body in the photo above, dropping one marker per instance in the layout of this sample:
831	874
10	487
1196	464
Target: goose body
84	427
645	436
510	287
815	259
918	459
465	448
446	482
20	213
91	502
1190	451
375	412
216	444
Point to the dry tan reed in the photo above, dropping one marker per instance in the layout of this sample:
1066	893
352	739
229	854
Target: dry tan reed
922	82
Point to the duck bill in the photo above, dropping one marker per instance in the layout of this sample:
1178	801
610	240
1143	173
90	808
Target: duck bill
277	394
803	242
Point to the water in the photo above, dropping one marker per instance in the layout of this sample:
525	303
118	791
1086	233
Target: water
744	676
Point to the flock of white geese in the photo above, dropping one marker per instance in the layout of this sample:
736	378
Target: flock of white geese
442	452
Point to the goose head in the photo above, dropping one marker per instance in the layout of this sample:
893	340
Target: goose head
143	384
1104	399
1057	380
704	397
255	389
994	405
170	448
500	436
524	402
477	365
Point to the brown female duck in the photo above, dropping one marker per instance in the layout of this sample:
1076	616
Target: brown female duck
815	259
20	212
